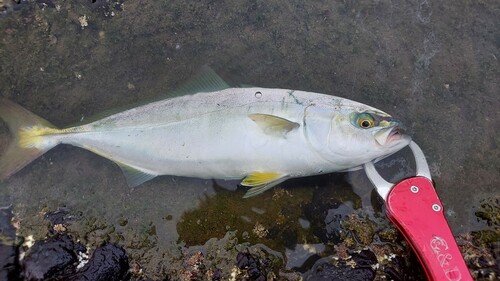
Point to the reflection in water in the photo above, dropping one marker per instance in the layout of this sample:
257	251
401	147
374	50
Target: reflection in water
302	253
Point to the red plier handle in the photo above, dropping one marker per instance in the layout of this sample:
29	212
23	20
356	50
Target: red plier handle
414	207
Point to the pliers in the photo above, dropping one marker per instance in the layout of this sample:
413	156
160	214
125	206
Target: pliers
414	207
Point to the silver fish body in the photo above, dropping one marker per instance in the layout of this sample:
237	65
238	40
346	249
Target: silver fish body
262	135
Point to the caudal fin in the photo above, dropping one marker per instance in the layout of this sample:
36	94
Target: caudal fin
29	141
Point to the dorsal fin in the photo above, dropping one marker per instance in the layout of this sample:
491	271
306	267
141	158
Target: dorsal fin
206	80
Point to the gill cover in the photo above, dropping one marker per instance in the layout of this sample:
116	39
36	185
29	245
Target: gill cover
318	127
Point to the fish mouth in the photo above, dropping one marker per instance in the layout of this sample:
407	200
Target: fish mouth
391	135
396	133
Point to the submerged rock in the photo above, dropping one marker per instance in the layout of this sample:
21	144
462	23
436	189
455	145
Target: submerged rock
329	207
253	267
225	259
358	267
108	263
9	252
52	258
57	258
8	268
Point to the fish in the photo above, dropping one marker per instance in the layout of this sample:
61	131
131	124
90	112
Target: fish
209	130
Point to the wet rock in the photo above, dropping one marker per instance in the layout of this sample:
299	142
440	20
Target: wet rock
7	6
398	271
51	258
490	211
8	262
45	3
216	275
482	258
59	220
61	216
326	219
57	257
361	227
193	267
106	8
8	250
397	262
108	263
246	261
358	267
225	259
329	206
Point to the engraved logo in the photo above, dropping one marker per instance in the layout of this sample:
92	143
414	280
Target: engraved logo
440	248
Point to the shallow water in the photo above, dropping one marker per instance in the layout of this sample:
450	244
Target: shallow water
434	65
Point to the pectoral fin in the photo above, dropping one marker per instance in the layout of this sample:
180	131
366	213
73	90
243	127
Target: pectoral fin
273	125
261	181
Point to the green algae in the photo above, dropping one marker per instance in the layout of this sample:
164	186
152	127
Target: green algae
275	213
490	211
363	229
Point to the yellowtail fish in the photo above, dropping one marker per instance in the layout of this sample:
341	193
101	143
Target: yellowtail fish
263	136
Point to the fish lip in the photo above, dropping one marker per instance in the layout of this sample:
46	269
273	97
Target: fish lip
388	136
396	132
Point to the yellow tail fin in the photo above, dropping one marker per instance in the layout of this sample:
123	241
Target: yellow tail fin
28	143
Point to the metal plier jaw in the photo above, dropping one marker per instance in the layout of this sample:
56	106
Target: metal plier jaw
414	208
382	186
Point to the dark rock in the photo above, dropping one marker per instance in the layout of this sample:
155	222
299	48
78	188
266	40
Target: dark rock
9	253
193	266
330	272
8	262
105	8
362	270
329	206
7	230
398	270
53	258
108	263
326	219
60	216
289	238
365	258
216	275
56	258
45	3
246	261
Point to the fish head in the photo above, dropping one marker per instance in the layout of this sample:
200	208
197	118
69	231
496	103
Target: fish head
352	134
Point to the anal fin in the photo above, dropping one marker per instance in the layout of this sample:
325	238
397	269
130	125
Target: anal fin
350	169
134	176
262	181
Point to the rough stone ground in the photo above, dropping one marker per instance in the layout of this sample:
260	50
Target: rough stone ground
433	64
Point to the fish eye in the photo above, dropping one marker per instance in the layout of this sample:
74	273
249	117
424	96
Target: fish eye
365	121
